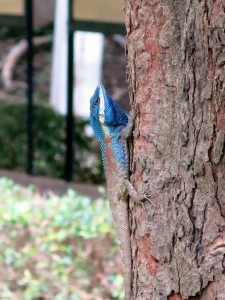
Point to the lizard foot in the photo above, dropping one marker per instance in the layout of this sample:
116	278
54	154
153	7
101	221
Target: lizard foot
138	198
147	196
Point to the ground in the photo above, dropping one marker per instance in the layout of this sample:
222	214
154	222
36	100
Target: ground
44	184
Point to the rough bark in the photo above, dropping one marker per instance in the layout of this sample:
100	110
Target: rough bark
176	73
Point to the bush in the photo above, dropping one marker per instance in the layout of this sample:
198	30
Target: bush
49	143
56	247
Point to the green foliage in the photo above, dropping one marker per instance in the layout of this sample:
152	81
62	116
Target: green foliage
49	143
56	247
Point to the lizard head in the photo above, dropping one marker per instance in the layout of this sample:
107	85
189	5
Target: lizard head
105	112
107	120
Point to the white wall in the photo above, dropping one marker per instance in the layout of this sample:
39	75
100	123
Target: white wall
88	63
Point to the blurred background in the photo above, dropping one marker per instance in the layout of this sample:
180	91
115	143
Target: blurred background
57	243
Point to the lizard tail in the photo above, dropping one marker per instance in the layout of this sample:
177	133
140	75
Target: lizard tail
121	219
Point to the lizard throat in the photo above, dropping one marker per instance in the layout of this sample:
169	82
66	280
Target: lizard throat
105	130
104	127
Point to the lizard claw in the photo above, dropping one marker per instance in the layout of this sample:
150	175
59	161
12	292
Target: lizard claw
138	198
146	196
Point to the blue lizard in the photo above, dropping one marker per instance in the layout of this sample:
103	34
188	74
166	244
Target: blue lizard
111	126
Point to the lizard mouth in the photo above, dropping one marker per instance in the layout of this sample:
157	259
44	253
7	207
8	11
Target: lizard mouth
102	118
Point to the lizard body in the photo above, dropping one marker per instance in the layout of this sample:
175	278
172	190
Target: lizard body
109	124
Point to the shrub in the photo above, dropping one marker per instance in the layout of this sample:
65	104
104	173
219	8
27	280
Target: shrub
49	143
56	247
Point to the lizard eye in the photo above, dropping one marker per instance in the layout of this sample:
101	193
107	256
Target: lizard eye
97	101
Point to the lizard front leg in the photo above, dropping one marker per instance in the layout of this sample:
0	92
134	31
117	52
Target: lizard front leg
126	131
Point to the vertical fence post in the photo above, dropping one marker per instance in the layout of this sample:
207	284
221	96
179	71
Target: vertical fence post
29	33
70	82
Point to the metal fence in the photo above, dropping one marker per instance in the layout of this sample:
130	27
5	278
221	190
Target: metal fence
94	26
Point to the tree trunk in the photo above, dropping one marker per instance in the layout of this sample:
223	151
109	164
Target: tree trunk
176	72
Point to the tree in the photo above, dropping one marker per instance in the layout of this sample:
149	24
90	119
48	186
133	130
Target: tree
176	73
